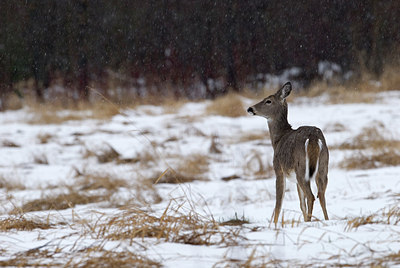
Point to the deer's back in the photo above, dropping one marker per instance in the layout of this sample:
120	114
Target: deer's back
289	154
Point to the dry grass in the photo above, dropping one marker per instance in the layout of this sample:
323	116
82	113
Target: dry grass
58	113
171	226
390	78
190	168
44	138
11	183
103	155
10	144
20	223
235	221
173	177
362	160
360	90
40	159
387	217
60	201
229	105
193	165
99	257
95	181
257	167
257	136
373	150
335	127
371	138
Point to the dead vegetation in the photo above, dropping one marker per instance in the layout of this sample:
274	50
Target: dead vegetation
261	137
60	201
10	144
335	127
256	167
235	221
172	226
44	138
229	105
374	137
100	257
104	155
188	169
58	113
94	181
372	150
389	216
11	184
21	223
170	176
358	90
40	158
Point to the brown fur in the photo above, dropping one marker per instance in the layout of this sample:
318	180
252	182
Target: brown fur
290	155
313	154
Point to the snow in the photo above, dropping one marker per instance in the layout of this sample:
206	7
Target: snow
172	137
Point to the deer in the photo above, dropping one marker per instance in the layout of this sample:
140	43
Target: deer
300	154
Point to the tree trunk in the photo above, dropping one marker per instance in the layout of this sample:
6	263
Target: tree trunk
83	61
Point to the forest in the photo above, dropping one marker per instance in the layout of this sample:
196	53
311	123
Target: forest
192	49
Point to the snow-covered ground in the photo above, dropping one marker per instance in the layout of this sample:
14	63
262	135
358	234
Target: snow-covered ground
41	161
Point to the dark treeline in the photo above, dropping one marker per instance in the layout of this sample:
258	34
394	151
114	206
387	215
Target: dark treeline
188	44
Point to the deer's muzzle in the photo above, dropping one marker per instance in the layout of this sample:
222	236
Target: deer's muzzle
251	111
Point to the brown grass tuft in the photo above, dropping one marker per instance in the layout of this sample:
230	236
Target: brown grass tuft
260	136
95	181
11	184
61	201
377	159
235	221
389	217
335	127
370	138
189	169
188	228
229	105
44	138
20	223
373	150
98	257
104	155
58	113
172	177
40	158
256	167
10	144
195	164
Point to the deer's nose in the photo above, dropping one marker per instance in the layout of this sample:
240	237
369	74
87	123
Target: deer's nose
251	111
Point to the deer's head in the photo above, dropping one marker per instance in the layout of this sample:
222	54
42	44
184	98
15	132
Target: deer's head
273	106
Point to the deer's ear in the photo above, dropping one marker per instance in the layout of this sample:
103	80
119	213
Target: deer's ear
284	91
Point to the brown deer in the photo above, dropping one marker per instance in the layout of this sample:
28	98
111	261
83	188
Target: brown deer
301	153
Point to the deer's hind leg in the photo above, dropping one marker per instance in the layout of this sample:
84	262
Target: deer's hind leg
302	199
322	182
306	188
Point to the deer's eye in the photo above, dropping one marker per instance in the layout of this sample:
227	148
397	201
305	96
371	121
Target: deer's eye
267	102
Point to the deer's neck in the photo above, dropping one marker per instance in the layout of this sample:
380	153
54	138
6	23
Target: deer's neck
278	128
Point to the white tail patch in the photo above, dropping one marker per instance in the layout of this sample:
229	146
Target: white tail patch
320	145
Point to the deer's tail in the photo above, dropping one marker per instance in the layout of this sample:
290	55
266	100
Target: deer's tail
313	147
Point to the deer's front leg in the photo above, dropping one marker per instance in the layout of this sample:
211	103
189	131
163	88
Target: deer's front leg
280	192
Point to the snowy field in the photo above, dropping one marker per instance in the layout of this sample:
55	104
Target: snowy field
90	192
